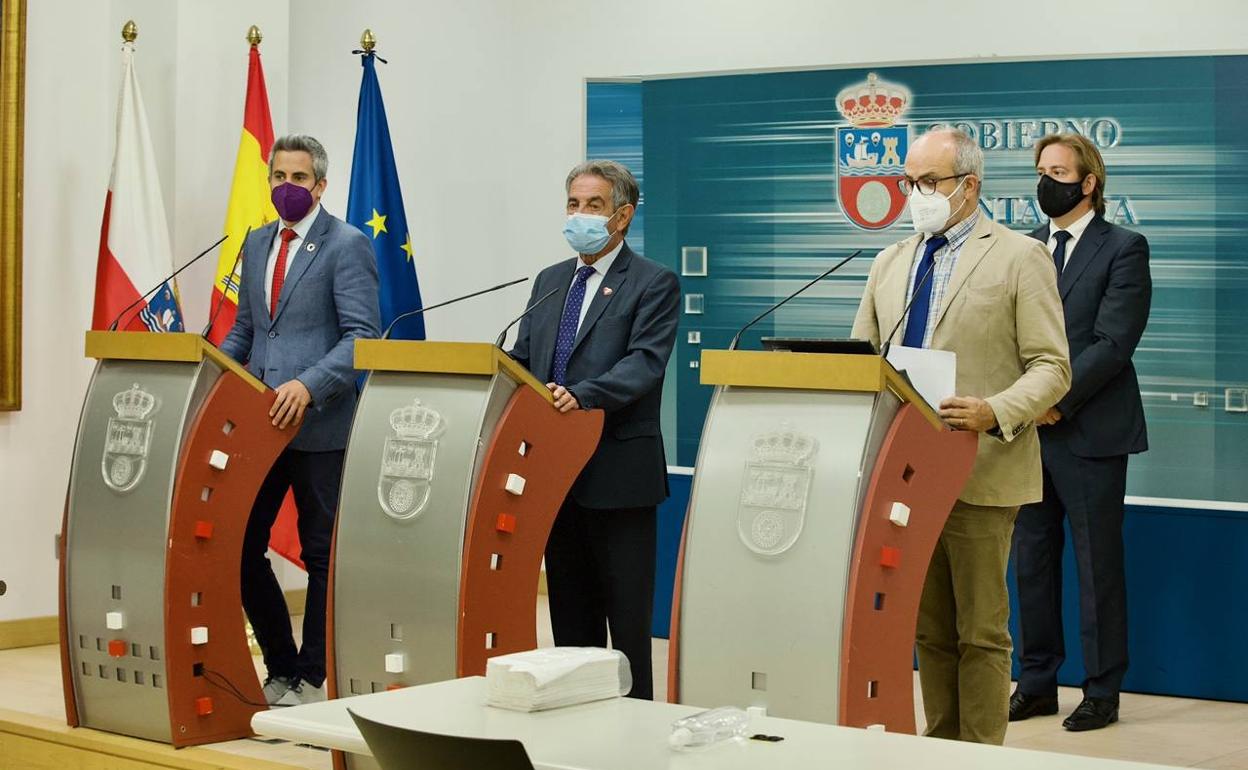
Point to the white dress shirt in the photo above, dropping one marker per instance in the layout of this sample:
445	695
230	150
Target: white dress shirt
592	284
1076	232
301	229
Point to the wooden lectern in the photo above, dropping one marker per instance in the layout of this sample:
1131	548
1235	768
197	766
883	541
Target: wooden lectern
456	467
173	444
822	485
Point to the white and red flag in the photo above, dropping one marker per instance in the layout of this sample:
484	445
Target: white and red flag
134	238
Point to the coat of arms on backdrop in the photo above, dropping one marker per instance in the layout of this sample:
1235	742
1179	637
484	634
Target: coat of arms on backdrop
128	438
775	490
407	460
871	152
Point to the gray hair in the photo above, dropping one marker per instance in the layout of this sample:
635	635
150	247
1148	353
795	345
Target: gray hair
302	143
968	158
624	187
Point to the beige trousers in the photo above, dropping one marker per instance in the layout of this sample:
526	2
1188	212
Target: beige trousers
962	636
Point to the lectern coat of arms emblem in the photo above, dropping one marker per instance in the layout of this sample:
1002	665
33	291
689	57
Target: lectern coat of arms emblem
407	460
775	490
128	438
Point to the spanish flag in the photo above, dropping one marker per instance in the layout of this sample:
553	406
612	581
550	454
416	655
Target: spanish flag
250	207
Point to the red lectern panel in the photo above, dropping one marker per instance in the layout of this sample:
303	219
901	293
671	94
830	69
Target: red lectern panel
230	449
530	464
915	483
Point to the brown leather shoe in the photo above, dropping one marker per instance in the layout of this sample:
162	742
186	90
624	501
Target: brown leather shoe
1092	714
1024	706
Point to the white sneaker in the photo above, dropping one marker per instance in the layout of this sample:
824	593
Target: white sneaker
277	686
301	694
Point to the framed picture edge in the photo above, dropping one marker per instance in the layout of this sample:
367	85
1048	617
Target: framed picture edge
12	124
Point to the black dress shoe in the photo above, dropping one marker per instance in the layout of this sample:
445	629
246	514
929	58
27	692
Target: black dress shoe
1024	706
1092	714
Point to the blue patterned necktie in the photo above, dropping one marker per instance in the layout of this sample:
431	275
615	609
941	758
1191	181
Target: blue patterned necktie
1059	251
568	325
916	324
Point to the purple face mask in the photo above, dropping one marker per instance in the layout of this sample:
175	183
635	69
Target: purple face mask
291	201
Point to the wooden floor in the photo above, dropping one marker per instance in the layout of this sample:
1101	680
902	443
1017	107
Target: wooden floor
1174	731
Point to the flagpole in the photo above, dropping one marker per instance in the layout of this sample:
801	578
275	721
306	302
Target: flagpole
253	35
130	32
368	41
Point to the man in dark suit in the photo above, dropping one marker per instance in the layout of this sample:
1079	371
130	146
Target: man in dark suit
1104	282
602	342
308	291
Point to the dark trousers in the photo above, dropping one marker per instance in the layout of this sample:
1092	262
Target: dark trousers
600	575
315	478
1089	493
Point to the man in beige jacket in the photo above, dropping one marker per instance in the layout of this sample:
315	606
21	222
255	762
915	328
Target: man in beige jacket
989	295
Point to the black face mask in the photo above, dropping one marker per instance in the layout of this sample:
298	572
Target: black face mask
1058	198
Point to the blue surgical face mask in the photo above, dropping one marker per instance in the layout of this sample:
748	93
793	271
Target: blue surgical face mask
587	233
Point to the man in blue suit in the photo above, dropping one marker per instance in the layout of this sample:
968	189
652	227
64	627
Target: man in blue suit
308	291
1106	289
602	342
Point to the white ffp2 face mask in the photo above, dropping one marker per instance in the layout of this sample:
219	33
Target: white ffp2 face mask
929	213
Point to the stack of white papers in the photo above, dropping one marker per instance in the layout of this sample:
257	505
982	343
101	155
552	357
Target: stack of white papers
933	373
555	677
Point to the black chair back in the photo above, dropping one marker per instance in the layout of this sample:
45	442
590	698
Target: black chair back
398	748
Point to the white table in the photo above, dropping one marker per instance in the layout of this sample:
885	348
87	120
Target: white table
627	734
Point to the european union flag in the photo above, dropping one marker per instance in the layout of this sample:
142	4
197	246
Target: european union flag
375	205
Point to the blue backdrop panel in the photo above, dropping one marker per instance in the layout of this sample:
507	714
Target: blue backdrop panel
746	165
1187	624
671	522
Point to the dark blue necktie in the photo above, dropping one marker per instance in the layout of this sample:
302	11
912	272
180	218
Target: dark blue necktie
1059	252
916	324
568	325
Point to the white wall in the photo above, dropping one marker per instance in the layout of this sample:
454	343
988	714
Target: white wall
486	104
486	97
450	93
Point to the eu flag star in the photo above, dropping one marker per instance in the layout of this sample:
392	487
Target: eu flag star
407	246
378	223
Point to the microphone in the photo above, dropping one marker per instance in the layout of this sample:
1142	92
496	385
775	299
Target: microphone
113	326
733	345
502	336
888	341
233	269
386	334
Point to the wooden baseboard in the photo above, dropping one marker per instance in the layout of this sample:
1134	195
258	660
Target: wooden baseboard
29	742
28	632
35	632
296	600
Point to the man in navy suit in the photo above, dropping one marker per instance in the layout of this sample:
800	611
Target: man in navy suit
1085	438
602	342
308	291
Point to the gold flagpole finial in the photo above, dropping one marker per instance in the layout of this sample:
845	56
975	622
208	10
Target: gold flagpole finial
253	35
130	32
368	41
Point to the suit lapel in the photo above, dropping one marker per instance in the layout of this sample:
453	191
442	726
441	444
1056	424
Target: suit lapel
1085	250
302	259
606	292
259	287
978	243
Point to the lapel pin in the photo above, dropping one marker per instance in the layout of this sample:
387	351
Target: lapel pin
311	247
607	291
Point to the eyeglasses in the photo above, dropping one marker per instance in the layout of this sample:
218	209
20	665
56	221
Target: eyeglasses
925	186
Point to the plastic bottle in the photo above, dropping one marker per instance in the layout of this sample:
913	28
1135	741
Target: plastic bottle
709	727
